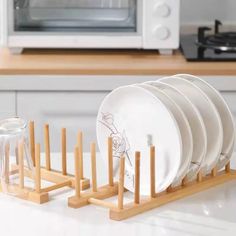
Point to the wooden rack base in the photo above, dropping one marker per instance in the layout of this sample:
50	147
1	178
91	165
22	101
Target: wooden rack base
132	209
120	211
166	197
57	179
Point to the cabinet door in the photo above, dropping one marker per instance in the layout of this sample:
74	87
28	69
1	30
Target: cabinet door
7	104
72	110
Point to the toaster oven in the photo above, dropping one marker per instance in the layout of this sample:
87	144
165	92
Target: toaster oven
141	24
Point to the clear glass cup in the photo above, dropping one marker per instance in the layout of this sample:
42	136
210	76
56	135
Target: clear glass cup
16	167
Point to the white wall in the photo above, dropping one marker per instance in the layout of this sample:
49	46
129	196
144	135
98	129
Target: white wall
1	28
205	11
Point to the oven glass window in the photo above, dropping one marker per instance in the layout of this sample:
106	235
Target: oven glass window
76	15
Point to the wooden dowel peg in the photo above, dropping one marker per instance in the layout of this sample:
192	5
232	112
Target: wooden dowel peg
110	162
37	169
214	172
169	189
32	141
184	181
77	172
121	183
66	183
102	203
63	151
94	168
137	178
7	162
47	146
21	165
152	172
17	156
199	176
80	145
227	167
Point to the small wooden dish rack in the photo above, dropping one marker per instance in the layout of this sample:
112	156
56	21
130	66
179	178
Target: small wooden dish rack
85	195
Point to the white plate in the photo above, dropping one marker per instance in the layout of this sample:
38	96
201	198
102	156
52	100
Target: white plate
210	117
225	115
184	127
135	119
196	123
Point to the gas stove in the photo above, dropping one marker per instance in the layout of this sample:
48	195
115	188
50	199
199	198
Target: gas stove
220	46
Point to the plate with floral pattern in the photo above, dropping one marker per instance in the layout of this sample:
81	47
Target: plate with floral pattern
136	119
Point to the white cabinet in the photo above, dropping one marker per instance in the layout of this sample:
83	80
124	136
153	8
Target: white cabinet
73	110
7	104
73	101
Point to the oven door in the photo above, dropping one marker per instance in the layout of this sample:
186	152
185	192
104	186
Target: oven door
76	15
83	18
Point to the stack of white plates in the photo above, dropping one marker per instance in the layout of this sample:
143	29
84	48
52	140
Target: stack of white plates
185	118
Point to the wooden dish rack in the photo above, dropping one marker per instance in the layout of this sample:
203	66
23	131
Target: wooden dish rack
121	211
59	179
97	195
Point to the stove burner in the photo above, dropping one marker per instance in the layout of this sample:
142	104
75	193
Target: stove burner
220	41
226	39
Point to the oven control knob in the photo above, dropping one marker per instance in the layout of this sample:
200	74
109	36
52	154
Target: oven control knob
162	32
163	10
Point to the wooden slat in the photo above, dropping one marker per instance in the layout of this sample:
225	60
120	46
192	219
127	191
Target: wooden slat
93	166
152	172
47	146
121	183
102	203
77	174
199	176
110	162
102	193
227	167
67	183
63	151
80	145
37	169
214	172
32	141
137	178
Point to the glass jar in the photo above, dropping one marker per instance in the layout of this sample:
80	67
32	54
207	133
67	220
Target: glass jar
16	167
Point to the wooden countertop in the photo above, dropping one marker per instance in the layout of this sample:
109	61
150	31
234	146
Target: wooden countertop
106	62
